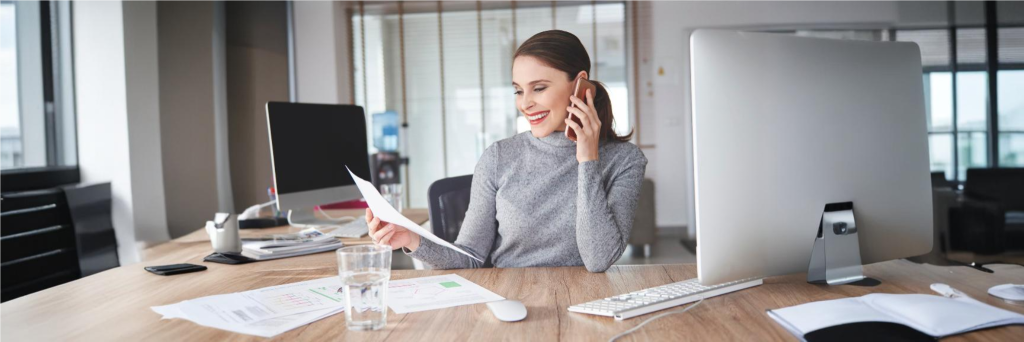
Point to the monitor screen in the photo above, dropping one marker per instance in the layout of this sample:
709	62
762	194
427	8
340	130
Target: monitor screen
312	144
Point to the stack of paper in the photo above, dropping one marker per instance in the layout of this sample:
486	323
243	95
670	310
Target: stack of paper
264	312
309	241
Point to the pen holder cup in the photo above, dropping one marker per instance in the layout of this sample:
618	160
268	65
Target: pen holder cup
225	239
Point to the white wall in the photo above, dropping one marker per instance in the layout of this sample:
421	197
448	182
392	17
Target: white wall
321	52
118	130
192	118
143	112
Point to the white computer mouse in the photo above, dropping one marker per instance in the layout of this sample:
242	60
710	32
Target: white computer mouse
508	310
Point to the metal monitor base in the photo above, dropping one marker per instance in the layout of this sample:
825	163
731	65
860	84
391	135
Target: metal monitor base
835	258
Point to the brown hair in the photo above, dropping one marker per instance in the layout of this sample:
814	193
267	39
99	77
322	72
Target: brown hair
564	51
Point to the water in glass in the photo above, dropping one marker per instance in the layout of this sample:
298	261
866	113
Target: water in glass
365	271
366	295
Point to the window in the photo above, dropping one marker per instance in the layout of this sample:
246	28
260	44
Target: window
37	129
1011	118
959	115
10	126
962	107
1010	82
455	90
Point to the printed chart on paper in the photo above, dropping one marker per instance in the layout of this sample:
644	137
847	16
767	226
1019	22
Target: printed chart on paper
429	293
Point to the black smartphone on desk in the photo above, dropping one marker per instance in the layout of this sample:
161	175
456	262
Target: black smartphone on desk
167	270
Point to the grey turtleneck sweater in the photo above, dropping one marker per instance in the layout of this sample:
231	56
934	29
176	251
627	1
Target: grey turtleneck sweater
532	204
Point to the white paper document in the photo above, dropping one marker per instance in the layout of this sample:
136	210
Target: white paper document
263	312
381	208
437	292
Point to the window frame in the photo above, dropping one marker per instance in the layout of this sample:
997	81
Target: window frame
991	67
54	174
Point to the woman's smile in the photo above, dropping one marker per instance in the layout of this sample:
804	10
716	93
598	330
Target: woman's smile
537	118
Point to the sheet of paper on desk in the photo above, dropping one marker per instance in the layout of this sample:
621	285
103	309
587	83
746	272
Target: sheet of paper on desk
437	292
263	312
381	208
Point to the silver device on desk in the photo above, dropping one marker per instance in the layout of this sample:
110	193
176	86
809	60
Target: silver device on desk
782	127
310	146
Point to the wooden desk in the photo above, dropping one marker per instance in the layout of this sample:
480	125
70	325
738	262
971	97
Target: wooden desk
114	305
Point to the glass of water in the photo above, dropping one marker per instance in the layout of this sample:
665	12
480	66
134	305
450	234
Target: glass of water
393	194
365	271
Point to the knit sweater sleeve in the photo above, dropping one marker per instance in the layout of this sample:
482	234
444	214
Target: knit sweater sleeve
604	211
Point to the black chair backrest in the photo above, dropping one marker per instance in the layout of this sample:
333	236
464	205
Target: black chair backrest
939	180
38	243
1004	185
448	201
94	230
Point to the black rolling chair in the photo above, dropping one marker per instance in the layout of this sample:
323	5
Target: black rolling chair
94	229
38	243
447	203
54	236
991	217
448	200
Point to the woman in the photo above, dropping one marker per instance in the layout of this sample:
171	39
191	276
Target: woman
540	199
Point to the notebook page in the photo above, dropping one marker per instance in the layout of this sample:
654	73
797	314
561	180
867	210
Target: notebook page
940	316
817	315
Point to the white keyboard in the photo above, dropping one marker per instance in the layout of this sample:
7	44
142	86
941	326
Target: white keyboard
645	301
355	229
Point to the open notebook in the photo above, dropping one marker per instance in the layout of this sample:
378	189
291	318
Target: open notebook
876	316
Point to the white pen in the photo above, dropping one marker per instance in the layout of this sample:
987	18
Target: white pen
948	291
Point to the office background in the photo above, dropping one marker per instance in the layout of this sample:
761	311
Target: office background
165	100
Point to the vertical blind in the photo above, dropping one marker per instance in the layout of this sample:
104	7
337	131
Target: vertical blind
445	67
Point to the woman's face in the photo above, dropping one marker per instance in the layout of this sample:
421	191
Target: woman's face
542	94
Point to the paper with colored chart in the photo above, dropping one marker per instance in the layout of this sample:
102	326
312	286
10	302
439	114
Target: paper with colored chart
437	292
263	312
382	209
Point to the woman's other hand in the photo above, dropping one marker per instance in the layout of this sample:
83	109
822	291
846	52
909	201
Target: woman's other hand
589	133
384	233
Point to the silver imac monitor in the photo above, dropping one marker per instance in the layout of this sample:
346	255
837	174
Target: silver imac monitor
310	146
783	126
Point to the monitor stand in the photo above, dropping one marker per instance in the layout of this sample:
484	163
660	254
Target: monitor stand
835	258
307	217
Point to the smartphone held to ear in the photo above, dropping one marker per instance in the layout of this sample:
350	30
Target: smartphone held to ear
580	90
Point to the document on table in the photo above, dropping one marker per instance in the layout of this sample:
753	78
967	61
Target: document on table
381	208
263	312
437	292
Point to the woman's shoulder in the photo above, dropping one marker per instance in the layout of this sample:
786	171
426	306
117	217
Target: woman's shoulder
508	145
622	151
494	152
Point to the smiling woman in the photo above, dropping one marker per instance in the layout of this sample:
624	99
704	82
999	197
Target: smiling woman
538	198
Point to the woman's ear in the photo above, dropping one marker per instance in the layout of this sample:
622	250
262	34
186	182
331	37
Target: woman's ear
582	74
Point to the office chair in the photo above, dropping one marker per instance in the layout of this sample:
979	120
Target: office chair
54	236
991	217
90	209
644	228
448	200
447	203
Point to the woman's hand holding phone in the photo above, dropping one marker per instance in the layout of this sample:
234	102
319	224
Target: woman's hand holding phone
384	233
588	131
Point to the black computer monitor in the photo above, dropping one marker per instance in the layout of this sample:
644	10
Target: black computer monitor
310	146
